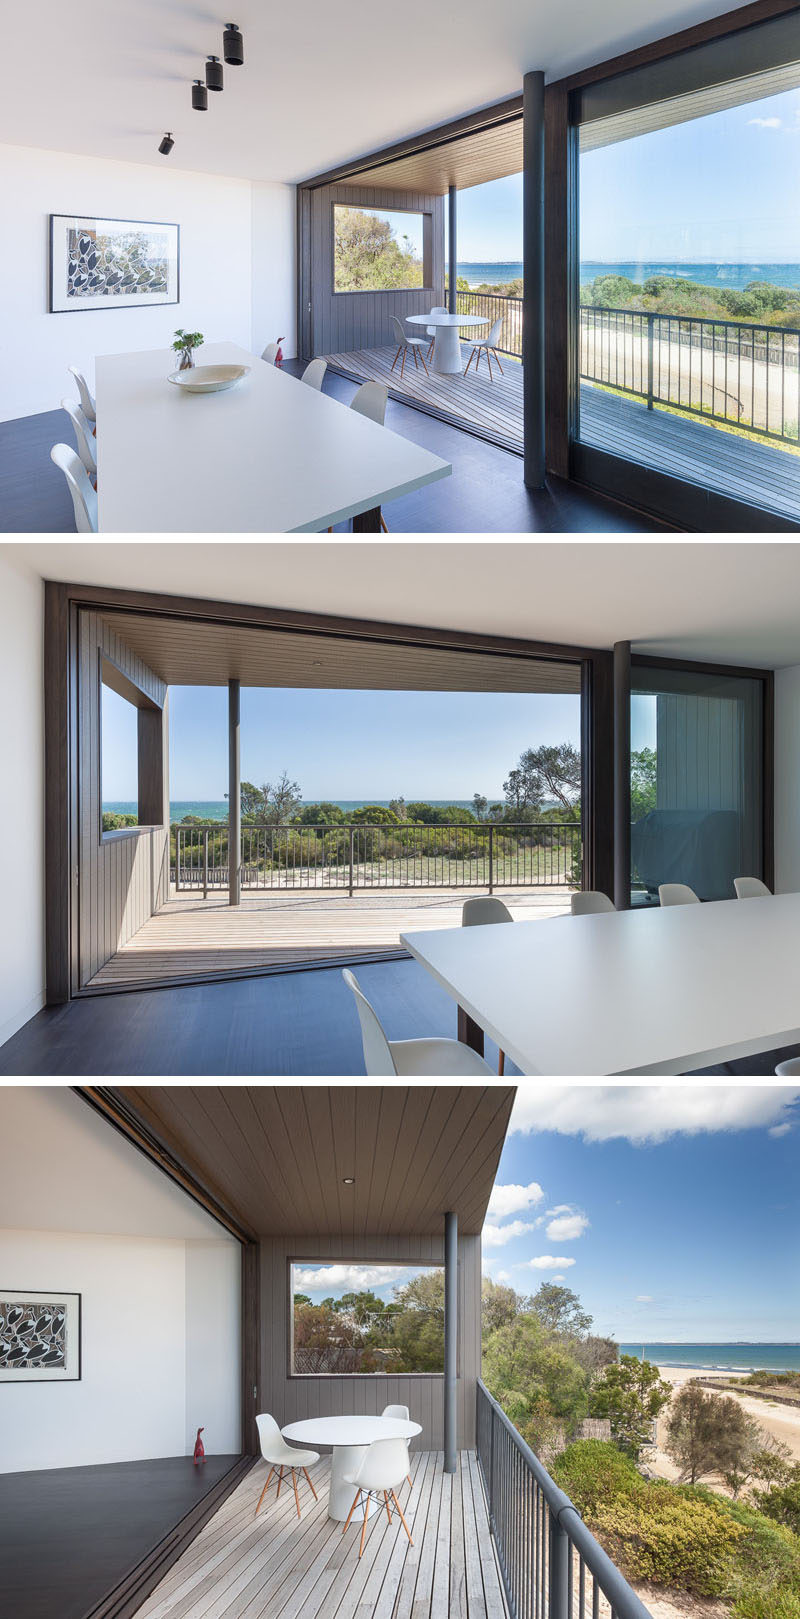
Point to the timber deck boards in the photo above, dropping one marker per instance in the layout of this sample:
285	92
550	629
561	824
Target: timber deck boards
277	1566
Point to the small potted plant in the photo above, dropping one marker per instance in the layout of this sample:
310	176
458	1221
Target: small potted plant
183	345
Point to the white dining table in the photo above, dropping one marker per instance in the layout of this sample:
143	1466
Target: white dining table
447	346
270	455
349	1436
646	991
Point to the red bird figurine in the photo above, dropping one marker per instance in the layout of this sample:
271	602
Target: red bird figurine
199	1449
279	355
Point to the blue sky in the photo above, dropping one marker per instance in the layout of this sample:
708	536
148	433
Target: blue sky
343	744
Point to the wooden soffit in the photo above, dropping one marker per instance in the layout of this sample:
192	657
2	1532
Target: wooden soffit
468	160
277	1156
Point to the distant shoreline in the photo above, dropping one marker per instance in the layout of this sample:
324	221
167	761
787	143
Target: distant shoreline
733	274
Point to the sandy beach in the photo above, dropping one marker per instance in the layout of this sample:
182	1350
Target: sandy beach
780	1421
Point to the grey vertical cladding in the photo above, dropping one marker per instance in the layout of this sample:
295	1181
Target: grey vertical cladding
291	1398
345	321
122	881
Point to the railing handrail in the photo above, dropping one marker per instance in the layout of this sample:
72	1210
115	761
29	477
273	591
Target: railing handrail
705	320
625	1604
379	826
487	292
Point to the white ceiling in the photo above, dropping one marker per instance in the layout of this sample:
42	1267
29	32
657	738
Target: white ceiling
726	601
64	1168
321	82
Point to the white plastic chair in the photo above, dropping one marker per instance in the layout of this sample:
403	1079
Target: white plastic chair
438	309
432	1057
87	403
379	1476
590	902
275	1450
401	1412
790	1069
84	437
487	346
314	373
370	400
677	894
270	353
479	912
404	343
751	888
84	497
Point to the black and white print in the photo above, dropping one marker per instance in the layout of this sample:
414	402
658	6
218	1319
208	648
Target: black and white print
39	1336
111	263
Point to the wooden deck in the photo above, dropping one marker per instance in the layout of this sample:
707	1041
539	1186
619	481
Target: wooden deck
192	937
278	1567
762	474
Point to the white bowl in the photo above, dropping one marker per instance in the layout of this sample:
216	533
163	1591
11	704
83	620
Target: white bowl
208	379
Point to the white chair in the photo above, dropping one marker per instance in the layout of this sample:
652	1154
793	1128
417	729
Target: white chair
84	497
404	343
379	1476
590	902
789	1069
751	888
677	894
479	913
420	1057
438	309
87	403
275	1450
270	353
314	373
370	400
487	346
84	437
402	1413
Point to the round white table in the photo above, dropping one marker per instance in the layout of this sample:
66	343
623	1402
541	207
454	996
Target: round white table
447	348
349	1437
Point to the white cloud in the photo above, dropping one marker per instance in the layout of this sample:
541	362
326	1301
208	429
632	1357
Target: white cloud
561	1208
649	1113
503	1276
767	123
496	1236
644	1298
348	1278
558	1278
780	1129
547	1262
513	1199
567	1227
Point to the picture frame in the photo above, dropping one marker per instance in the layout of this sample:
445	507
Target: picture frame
100	263
40	1336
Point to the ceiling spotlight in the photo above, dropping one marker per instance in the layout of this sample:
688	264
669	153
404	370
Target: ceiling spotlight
166	145
232	45
213	73
349	1180
199	96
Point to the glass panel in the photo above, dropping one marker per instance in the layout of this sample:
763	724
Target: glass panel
375	249
119	761
696	781
362	1318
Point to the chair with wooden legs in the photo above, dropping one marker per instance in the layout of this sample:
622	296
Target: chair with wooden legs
406	344
401	1412
379	1476
285	1458
438	309
478	912
487	346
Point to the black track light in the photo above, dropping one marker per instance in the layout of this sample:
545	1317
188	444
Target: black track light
166	145
232	45
199	96
213	73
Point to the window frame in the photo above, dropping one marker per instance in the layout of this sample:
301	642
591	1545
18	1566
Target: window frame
426	284
149	750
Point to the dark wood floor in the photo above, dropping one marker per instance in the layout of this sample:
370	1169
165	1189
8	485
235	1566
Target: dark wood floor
70	1535
484	495
293	1024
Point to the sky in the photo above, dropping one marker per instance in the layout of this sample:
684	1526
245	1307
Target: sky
342	745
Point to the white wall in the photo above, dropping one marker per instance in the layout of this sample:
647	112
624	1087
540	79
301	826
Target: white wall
787	780
213	1344
219	218
21	797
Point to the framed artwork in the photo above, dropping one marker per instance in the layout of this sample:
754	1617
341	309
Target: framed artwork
40	1336
112	263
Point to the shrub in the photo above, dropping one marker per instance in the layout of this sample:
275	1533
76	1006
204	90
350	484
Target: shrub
592	1471
661	1535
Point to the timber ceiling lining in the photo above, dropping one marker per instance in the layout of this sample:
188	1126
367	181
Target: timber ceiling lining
277	1156
188	653
468	160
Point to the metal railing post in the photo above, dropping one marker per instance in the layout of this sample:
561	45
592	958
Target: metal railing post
491	859
558	1580
351	862
177	860
650	336
491	1464
205	862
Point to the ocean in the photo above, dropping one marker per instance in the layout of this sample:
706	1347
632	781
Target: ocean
217	809
735	1357
711	275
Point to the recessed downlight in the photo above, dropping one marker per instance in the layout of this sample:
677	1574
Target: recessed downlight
348	1180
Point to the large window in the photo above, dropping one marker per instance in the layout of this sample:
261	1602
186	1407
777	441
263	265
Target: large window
365	1319
377	250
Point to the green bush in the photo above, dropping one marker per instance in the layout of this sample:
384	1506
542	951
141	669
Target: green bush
754	1602
659	1535
591	1471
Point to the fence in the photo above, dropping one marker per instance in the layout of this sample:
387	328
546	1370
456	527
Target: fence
551	1565
731	372
493	306
358	857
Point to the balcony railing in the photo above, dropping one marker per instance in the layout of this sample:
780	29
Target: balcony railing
732	372
550	1564
493	305
359	857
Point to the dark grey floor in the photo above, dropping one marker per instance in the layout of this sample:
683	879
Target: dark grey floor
293	1024
70	1534
485	493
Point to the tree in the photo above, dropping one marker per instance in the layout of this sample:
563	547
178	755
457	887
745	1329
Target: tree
782	1503
479	806
631	1394
271	804
545	772
560	1310
417	1324
536	1380
398	808
324	814
643	782
375	815
708	1433
499	1305
367	254
772	1462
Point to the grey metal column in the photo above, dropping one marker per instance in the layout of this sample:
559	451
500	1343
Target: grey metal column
450	1341
234	795
533	337
622	775
452	249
